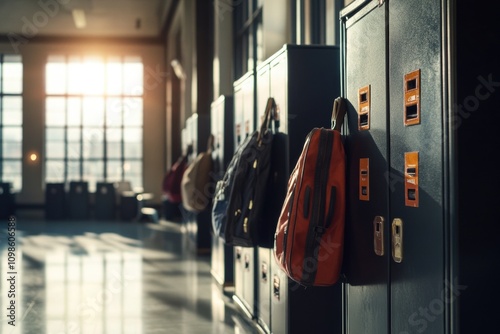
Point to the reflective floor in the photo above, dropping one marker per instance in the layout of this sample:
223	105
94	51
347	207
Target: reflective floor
108	277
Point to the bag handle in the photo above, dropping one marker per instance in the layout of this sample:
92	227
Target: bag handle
210	143
268	114
338	113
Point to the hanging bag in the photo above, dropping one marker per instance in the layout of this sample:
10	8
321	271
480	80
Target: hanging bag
239	196
196	181
310	232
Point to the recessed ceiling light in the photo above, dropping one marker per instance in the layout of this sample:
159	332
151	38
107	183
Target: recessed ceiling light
79	18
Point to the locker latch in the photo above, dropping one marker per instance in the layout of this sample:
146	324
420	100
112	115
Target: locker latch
247	262
397	240
238	133
264	272
378	235
276	287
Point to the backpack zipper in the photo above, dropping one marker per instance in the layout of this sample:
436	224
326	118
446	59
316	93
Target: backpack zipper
317	224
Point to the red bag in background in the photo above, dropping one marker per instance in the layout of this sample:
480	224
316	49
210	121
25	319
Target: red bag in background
172	181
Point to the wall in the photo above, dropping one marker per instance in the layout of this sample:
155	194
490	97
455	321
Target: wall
34	59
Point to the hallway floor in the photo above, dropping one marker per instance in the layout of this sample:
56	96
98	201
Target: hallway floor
108	277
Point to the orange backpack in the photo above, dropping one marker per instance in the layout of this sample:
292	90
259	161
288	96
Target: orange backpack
309	239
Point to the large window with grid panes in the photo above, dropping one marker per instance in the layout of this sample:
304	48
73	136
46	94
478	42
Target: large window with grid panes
11	120
94	119
248	35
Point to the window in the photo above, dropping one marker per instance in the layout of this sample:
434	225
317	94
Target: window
11	120
249	38
94	114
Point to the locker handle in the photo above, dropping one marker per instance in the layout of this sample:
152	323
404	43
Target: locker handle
264	272
276	287
397	240
378	235
247	262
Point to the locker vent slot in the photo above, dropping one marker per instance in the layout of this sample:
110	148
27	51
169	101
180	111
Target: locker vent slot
411	111
411	84
412	195
411	171
363	120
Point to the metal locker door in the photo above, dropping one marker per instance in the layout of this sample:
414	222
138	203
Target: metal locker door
249	254
264	288
217	254
225	147
366	235
263	279
238	138
417	167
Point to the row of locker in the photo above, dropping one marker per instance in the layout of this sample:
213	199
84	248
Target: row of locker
304	81
421	80
421	230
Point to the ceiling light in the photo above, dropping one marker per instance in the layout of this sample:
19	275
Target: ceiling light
79	18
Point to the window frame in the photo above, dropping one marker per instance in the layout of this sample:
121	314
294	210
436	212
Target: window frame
123	102
3	95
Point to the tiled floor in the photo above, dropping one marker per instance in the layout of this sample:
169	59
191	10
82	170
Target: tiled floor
109	277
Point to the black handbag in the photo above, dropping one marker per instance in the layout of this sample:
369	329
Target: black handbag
240	195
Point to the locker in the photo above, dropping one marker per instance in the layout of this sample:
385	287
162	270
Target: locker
264	284
78	200
245	264
304	81
105	201
198	225
54	201
367	272
222	262
421	224
7	200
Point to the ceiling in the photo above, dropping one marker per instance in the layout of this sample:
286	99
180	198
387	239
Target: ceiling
104	18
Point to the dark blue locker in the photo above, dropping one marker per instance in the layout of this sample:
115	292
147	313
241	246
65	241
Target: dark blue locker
304	81
198	225
7	200
55	200
264	283
246	293
367	152
222	262
441	224
105	201
78	200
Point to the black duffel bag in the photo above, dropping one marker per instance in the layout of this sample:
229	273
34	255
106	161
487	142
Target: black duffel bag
240	195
